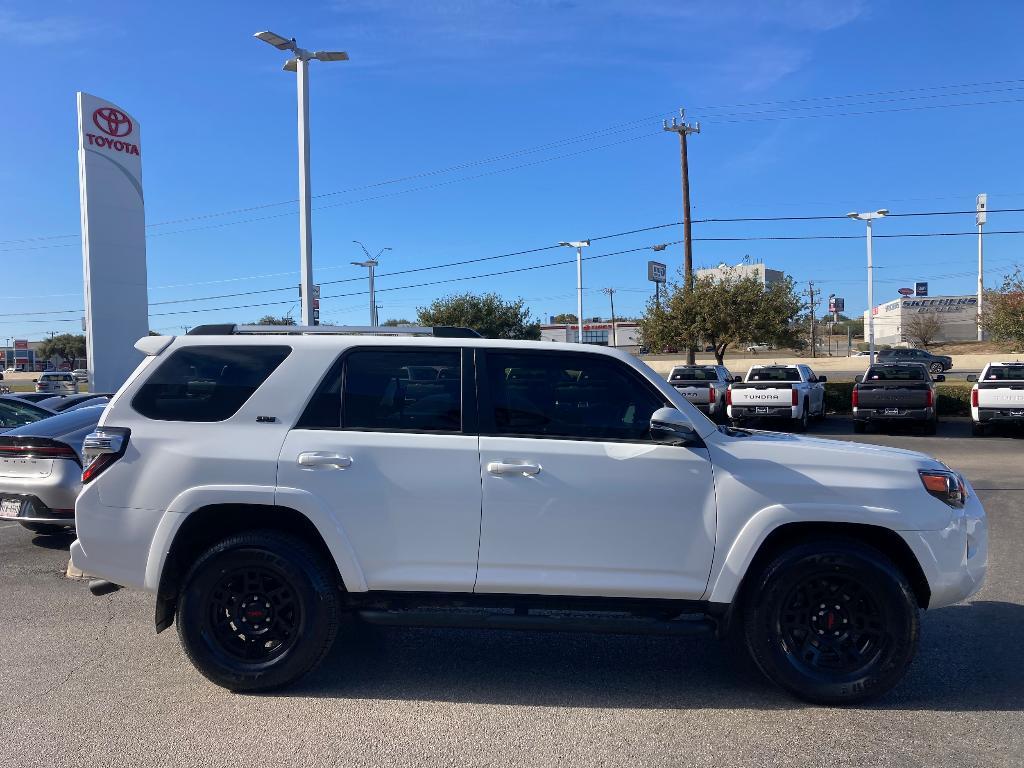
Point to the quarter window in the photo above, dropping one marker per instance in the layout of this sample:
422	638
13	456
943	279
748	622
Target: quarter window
207	383
585	397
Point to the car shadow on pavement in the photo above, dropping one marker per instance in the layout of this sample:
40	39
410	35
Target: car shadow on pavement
970	658
54	541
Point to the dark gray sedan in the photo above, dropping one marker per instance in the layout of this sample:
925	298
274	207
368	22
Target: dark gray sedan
41	470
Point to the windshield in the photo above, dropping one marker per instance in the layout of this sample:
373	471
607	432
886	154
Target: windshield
694	373
1005	373
895	373
774	374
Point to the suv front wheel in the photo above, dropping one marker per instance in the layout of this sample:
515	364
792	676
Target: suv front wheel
834	622
258	610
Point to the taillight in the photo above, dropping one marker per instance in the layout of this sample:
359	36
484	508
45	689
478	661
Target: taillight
36	448
101	449
929	399
728	396
711	394
974	398
854	399
796	397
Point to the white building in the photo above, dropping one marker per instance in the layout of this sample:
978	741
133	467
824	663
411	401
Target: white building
744	269
627	334
957	314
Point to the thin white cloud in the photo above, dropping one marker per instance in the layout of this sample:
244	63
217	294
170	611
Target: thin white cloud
45	30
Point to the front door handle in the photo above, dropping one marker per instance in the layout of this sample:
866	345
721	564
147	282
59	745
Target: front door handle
321	459
513	467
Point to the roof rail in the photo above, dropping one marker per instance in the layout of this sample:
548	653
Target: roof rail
439	331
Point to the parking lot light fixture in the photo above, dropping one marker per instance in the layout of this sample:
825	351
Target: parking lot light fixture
299	63
579	245
869	218
370	264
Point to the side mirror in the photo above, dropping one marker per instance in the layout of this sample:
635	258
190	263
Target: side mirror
858	378
938	377
822	379
671	427
34	380
972	377
737	379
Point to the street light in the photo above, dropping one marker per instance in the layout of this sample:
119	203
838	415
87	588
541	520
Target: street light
299	64
370	264
579	245
870	217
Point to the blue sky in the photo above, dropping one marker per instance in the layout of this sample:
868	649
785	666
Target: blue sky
405	137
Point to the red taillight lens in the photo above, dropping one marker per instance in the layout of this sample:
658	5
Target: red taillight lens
796	397
728	396
855	400
101	449
36	448
711	393
974	398
929	399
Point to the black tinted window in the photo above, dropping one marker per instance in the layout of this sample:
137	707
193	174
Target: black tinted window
896	373
774	374
694	374
578	396
206	383
1005	373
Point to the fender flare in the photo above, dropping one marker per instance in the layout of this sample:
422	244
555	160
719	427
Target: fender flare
303	502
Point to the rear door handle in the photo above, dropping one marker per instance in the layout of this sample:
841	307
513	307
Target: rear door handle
321	459
513	467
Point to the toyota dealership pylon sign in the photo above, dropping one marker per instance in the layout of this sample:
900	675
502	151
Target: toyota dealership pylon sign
113	240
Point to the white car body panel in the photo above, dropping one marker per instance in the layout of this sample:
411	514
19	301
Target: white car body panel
600	518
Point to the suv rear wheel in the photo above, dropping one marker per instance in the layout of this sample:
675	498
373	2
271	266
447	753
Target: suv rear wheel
833	621
258	610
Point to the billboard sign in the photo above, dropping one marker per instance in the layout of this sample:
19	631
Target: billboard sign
21	343
113	240
836	304
905	291
657	272
920	289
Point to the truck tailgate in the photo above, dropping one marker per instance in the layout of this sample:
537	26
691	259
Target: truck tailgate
762	394
902	396
1005	394
698	393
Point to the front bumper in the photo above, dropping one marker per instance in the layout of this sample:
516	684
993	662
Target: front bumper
954	559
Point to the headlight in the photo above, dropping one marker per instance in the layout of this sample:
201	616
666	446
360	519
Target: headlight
945	485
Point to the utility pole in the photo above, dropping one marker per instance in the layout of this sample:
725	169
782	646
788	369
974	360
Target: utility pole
684	129
980	218
579	245
370	264
810	290
610	293
868	218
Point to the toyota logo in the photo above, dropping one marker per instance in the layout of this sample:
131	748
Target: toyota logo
112	122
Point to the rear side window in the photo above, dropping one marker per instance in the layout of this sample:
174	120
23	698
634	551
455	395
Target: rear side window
775	374
1005	373
694	374
390	390
206	383
897	373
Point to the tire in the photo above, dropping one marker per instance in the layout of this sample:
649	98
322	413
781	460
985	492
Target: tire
860	427
936	368
800	425
978	430
293	620
786	630
46	529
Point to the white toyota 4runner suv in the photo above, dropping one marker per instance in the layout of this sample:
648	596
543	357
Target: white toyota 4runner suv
264	482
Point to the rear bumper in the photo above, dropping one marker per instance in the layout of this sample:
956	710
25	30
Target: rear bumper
34	510
904	414
998	415
46	499
767	412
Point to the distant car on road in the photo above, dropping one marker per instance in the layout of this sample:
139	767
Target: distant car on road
55	382
41	470
81	375
934	363
755	348
895	392
997	397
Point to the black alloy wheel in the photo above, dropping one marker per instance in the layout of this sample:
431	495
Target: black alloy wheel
258	610
935	368
832	621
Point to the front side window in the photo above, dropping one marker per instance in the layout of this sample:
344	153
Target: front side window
206	383
390	390
585	397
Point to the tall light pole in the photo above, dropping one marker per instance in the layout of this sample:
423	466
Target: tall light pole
579	245
684	129
370	264
870	217
979	218
299	64
610	293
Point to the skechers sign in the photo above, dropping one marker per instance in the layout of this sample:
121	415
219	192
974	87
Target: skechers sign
949	305
115	124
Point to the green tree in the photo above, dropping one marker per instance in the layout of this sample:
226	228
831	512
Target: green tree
1003	310
272	320
489	315
67	346
722	312
392	322
564	318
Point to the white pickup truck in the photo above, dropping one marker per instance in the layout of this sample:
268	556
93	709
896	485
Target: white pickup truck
998	396
791	392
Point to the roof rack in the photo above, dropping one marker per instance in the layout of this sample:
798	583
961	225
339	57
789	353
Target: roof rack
438	331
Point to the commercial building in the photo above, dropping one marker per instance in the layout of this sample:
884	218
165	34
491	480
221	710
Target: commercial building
627	334
755	269
23	355
957	315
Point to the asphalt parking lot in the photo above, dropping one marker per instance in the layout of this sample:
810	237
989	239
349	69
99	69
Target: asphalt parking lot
84	681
